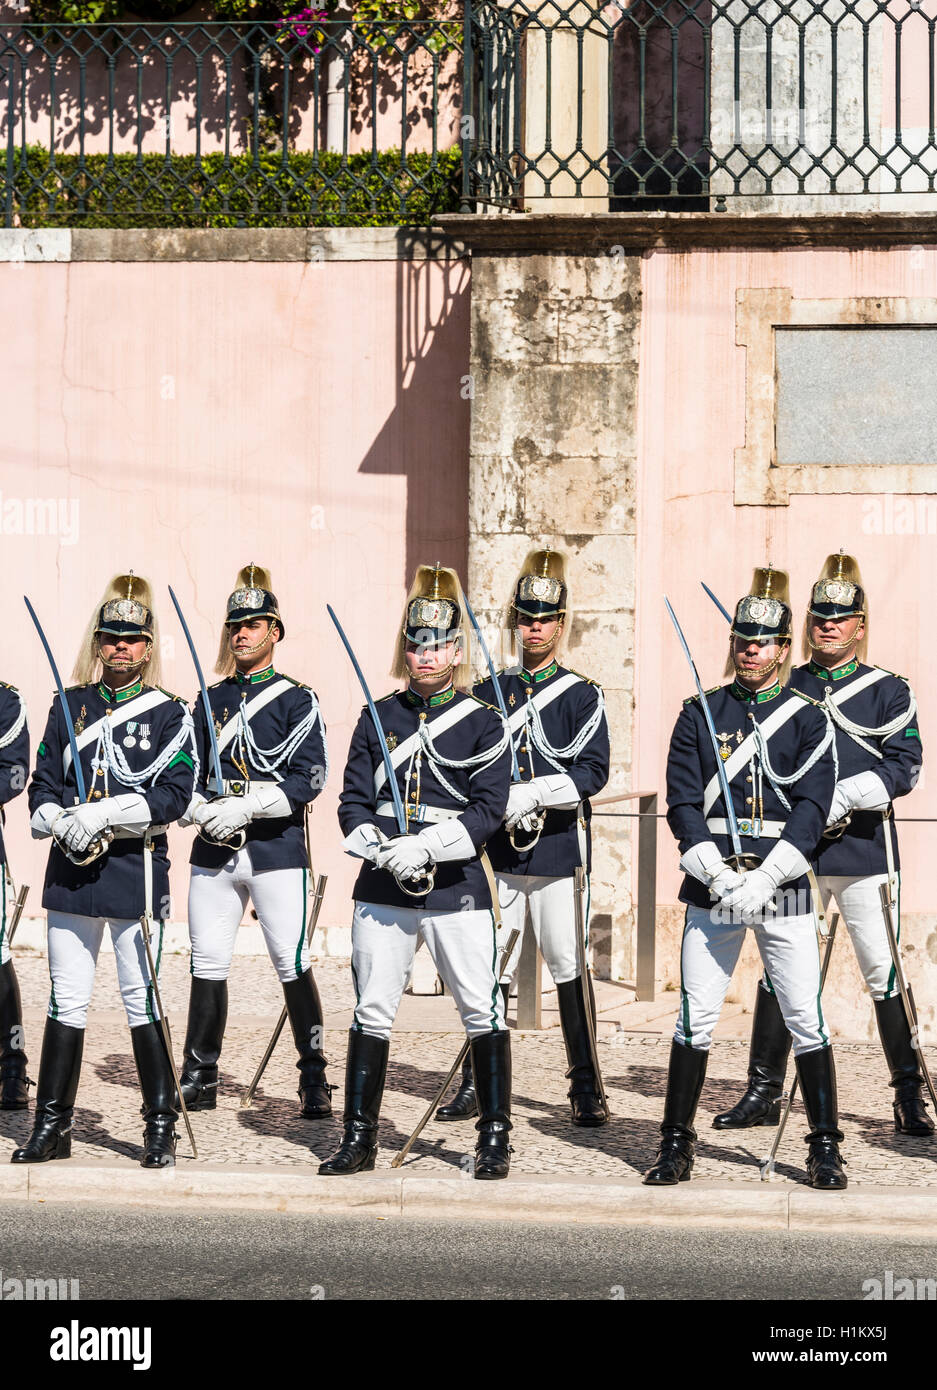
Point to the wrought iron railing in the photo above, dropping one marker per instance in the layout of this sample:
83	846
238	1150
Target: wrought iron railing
223	124
688	103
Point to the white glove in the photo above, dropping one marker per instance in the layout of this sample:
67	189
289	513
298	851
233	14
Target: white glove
363	842
863	792
267	803
704	863
557	789
128	811
524	799
404	856
759	885
83	825
223	817
43	819
448	842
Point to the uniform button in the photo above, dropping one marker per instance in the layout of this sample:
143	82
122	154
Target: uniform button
423	714
524	748
748	801
748	779
97	796
413	796
520	769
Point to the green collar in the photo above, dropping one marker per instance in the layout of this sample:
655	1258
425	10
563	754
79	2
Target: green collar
539	676
756	697
837	673
122	695
442	698
255	677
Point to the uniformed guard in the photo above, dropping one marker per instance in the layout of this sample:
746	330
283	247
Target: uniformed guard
449	752
878	748
14	771
775	746
137	753
560	734
271	740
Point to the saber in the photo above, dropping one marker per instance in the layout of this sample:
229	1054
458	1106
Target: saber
98	846
767	1164
579	888
428	875
237	838
724	611
163	1020
720	767
456	1066
538	818
318	895
16	914
907	998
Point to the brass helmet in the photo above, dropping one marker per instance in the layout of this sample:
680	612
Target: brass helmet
540	591
433	615
125	609
838	593
251	597
764	613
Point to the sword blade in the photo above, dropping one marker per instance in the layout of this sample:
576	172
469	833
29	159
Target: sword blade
209	717
382	741
72	740
720	768
499	693
724	611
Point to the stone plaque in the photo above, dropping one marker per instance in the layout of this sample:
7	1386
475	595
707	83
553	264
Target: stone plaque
856	395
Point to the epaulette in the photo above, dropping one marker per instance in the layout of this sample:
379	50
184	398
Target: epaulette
7	686
171	695
690	698
483	703
80	686
588	679
293	681
215	684
809	698
381	698
906	679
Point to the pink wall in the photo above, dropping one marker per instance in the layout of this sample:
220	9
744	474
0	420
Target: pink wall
692	418
199	416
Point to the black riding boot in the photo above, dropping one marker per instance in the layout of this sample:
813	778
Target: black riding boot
159	1110
464	1104
491	1058
583	1091
767	1063
13	1083
911	1115
59	1069
685	1078
818	1083
365	1071
208	1013
305	1014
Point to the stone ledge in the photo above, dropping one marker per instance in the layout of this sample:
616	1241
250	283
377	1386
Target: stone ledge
207	244
639	232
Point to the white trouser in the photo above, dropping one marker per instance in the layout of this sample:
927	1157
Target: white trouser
553	915
217	899
860	906
788	948
462	944
74	943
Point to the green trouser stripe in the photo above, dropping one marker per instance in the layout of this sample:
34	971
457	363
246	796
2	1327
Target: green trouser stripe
684	997
302	930
494	971
588	912
150	995
892	976
766	981
823	1033
354	980
3	924
53	1006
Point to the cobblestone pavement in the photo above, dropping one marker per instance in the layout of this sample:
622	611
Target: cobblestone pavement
107	1120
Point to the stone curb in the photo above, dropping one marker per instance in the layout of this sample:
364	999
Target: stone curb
744	1206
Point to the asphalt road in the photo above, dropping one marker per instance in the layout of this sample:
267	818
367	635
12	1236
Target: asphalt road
129	1253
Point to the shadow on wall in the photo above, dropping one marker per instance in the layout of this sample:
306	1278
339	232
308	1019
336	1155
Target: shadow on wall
426	436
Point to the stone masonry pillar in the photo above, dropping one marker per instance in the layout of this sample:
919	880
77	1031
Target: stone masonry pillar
554	347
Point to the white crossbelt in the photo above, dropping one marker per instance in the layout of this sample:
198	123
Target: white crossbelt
403	750
543	698
250	709
767	829
745	750
422	815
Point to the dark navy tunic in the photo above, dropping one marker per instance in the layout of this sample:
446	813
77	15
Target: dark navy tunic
14	757
113	885
281	705
557	853
691	767
461	727
876	702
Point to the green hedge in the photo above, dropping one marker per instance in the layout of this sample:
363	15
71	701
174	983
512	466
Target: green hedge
296	190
